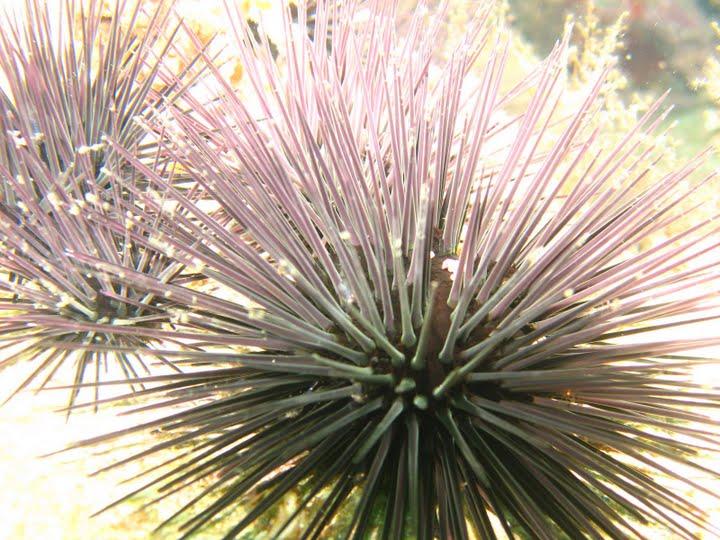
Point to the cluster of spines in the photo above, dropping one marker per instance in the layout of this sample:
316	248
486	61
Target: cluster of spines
75	78
356	174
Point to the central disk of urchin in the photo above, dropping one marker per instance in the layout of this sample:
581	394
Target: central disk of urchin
416	379
99	308
420	381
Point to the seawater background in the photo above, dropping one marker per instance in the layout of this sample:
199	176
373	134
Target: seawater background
667	45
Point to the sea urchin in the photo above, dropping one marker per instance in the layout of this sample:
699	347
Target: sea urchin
416	303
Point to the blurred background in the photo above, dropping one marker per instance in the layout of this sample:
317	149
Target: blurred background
663	44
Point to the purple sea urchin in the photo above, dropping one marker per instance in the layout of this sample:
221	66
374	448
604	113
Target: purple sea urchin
416	302
70	85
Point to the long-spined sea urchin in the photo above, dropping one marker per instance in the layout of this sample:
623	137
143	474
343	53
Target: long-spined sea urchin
74	77
380	381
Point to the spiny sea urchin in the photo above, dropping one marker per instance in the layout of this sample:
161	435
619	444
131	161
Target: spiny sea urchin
71	83
348	366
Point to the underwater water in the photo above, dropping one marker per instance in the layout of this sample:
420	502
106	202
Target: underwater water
663	45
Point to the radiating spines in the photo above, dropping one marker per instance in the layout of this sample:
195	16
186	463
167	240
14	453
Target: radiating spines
356	171
317	202
75	78
449	321
52	303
